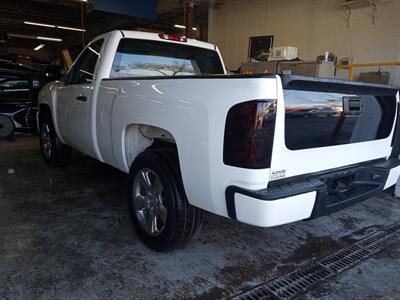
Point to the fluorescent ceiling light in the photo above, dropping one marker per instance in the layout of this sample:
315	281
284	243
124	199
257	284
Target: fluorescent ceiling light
24	36
94	51
86	72
71	28
39	47
184	27
45	38
39	24
16	90
53	26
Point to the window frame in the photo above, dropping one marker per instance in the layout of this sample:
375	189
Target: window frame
252	45
110	73
70	74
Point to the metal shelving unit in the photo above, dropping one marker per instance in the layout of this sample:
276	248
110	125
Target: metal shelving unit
373	5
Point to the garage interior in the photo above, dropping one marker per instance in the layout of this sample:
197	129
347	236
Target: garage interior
66	233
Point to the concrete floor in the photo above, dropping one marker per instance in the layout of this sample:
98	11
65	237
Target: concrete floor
65	233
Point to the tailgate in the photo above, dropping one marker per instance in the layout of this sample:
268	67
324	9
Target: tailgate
324	124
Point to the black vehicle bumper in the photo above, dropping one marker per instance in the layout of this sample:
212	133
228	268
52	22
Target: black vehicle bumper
311	196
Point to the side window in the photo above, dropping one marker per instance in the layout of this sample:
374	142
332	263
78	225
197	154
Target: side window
83	70
15	89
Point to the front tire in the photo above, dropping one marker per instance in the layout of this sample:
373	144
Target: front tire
158	206
55	153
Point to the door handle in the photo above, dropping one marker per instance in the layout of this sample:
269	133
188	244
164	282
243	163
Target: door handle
81	98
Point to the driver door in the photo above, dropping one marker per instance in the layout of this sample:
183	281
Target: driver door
75	99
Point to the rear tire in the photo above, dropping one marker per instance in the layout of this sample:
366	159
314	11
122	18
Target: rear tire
55	153
158	206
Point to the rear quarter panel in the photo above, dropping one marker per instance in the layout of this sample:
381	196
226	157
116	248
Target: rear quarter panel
194	112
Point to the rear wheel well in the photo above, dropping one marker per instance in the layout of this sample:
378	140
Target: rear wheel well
141	137
158	143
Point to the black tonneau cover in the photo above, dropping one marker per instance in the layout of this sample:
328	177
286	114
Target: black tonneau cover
307	83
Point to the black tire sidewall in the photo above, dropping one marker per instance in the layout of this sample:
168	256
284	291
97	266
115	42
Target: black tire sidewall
46	119
172	189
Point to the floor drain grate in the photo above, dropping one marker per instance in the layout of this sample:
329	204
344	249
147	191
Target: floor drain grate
301	280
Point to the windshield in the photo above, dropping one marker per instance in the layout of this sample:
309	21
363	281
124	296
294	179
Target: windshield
142	58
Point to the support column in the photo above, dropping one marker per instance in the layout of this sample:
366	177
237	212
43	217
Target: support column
189	13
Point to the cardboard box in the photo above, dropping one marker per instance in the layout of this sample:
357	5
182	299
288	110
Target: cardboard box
375	77
308	68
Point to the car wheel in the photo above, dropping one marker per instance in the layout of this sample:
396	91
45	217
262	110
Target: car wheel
6	126
160	212
55	153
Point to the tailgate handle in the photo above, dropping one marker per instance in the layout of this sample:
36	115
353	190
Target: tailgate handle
353	106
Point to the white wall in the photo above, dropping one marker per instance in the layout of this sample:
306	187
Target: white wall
314	26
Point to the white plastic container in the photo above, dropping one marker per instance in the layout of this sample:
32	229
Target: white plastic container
283	53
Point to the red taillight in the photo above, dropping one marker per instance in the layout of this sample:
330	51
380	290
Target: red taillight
173	37
249	134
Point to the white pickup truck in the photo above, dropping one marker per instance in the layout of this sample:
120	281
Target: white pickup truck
262	149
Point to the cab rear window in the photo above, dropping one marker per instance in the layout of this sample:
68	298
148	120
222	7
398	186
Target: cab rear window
145	58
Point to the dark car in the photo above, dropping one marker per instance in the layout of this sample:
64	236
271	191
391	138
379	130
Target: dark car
19	88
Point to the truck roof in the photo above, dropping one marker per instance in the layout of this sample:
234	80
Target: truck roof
155	37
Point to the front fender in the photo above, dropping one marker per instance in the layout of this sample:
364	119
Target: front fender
48	96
